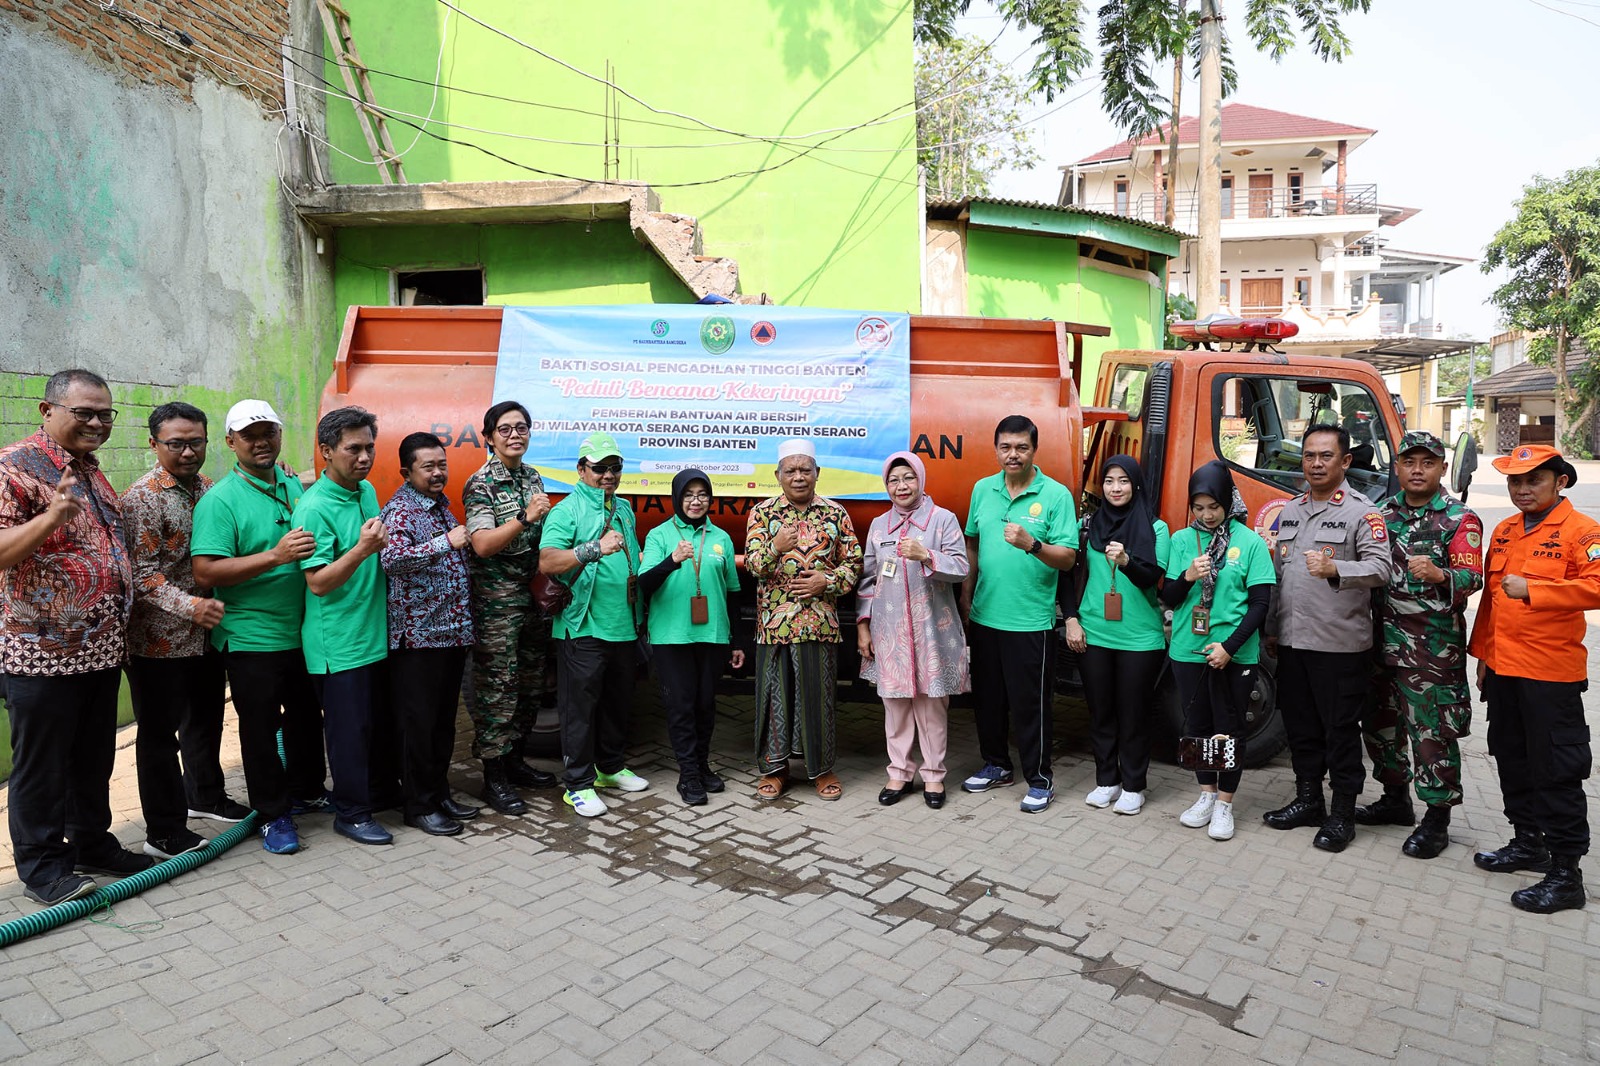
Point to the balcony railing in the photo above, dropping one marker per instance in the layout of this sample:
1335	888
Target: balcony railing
1250	204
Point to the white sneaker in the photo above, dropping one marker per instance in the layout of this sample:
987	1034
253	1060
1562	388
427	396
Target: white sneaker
586	803
623	780
1221	822
1200	813
1130	803
1104	796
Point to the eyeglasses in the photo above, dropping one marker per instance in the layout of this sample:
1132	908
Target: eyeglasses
181	446
699	497
902	480
104	416
606	468
518	430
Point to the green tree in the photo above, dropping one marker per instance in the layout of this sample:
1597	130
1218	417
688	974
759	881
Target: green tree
1450	376
969	118
1550	251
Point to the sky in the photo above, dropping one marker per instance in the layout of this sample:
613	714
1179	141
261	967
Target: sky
1471	99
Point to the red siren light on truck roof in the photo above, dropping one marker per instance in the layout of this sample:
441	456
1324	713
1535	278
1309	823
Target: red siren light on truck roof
1230	329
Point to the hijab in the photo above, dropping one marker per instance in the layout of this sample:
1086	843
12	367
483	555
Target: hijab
1215	480
1132	525
680	484
916	515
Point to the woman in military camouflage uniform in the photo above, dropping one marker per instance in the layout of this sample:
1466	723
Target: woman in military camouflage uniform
505	504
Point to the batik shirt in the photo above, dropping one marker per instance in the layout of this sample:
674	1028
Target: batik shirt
427	577
158	522
64	609
491	498
1425	624
827	543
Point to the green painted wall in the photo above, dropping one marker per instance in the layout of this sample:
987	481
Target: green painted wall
1024	275
836	225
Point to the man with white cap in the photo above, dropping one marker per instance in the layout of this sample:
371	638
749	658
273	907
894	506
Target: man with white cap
245	548
803	552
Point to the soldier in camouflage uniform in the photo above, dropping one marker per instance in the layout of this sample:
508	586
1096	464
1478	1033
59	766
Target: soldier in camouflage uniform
1422	663
505	506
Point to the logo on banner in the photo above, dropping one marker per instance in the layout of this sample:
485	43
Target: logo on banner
763	333
716	334
873	334
660	328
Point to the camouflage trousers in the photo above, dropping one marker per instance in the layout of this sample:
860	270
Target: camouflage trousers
508	664
1411	728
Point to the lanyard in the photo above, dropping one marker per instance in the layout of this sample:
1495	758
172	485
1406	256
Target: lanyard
696	557
611	512
288	509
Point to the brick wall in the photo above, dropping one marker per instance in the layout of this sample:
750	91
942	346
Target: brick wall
142	42
126	456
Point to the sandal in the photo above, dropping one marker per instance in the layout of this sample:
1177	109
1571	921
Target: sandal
771	787
828	786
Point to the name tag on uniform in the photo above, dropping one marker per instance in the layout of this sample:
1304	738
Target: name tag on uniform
889	569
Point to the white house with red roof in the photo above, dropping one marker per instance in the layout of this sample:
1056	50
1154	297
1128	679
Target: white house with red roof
1301	238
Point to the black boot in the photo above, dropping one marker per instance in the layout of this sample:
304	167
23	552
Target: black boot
1340	828
1429	838
497	789
1526	851
1393	809
1305	809
521	774
709	778
1561	889
692	788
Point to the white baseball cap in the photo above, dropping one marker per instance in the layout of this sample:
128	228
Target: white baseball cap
249	412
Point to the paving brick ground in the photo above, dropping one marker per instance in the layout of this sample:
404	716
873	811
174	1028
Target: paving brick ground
813	932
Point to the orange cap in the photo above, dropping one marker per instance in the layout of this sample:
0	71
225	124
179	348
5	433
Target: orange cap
1526	457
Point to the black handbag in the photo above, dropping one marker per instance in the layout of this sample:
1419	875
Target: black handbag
1215	753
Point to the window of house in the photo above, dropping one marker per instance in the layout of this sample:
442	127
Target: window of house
1225	296
1122	198
1227	196
1261	420
1302	286
458	287
1296	186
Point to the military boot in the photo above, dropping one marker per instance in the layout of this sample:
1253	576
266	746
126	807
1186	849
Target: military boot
1340	828
1431	837
498	791
521	774
1561	889
1305	809
1394	808
1526	851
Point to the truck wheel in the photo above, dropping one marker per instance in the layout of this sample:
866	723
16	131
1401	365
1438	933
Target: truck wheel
1263	733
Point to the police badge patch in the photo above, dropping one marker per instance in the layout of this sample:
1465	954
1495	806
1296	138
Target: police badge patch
1374	520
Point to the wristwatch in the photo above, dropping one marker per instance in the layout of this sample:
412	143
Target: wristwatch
1037	546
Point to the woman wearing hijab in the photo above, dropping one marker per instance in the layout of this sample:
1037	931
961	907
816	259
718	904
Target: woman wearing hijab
688	576
1219	585
1118	631
908	628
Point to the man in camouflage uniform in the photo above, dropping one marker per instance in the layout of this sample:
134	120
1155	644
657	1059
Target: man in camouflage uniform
1437	545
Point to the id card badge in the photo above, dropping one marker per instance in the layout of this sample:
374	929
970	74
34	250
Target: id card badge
1113	607
699	610
633	590
889	568
1200	621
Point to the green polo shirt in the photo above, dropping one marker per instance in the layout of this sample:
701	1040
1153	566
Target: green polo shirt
607	615
668	610
349	627
1016	591
240	516
1248	563
1142	627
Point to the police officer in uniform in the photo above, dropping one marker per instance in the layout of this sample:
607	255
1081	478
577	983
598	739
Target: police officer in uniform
1332	551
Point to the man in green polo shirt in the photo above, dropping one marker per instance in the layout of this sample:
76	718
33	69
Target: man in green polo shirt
346	632
1022	531
244	548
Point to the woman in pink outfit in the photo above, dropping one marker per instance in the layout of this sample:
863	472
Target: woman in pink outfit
908	629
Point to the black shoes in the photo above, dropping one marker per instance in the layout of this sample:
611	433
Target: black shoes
1340	828
461	812
1306	809
172	847
118	863
497	790
692	787
1431	837
1394	808
434	823
709	778
1561	889
61	890
934	800
367	832
888	797
1526	851
522	775
225	811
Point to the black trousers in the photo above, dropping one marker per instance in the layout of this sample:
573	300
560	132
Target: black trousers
1321	695
1118	685
1013	675
1540	744
178	705
425	693
272	691
594	692
1213	702
63	745
688	675
346	697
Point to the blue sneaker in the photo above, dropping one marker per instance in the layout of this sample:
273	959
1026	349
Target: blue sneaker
280	837
322	804
990	776
1037	800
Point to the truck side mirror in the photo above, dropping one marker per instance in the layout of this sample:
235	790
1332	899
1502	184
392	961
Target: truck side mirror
1463	462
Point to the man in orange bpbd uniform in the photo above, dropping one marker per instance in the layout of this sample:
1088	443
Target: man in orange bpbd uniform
1542	572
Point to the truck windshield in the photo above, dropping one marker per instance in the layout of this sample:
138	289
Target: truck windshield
1263	418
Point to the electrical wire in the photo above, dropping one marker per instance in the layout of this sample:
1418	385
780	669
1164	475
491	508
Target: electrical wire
1569	14
433	102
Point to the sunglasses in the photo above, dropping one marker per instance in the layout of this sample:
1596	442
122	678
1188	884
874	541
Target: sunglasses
606	468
